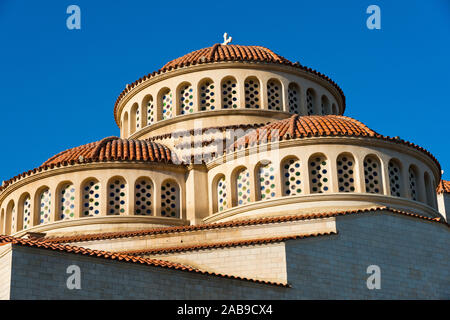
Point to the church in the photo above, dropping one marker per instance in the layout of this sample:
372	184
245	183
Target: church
236	175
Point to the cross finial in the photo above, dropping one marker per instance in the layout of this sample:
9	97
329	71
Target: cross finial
226	39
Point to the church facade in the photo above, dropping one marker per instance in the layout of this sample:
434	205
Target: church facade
236	175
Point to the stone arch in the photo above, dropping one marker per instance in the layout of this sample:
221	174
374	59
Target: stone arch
252	89
395	177
274	95
90	197
170	199
166	104
206	95
373	174
148	110
229	93
66	201
319	180
310	101
24	213
219	193
265	180
291	178
126	132
345	164
11	221
413	188
117	196
134	118
43	205
241	186
144	191
185	98
325	105
294	98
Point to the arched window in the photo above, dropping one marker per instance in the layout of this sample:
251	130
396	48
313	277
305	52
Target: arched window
252	96
2	222
170	199
294	98
274	95
166	104
310	101
318	174
291	177
372	175
67	202
266	181
206	99
428	189
150	110
26	212
91	198
117	196
186	96
334	109
243	187
134	115
45	203
325	104
229	94
143	197
345	166
125	125
395	178
11	224
221	194
412	177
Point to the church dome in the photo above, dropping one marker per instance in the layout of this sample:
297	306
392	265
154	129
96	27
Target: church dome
307	126
230	52
114	149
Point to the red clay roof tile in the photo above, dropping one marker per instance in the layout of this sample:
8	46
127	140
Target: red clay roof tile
231	224
443	187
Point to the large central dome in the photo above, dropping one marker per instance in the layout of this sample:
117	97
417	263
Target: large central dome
218	53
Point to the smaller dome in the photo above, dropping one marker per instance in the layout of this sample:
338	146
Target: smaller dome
114	149
306	126
229	52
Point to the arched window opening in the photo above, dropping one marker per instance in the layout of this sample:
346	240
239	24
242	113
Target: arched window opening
170	199
116	196
334	109
345	169
26	213
266	174
229	94
207	99
45	203
372	175
318	173
428	189
67	202
151	112
186	96
167	104
125	125
252	96
221	194
274	94
91	198
135	118
325	104
294	98
310	101
291	177
143	193
243	187
412	177
394	178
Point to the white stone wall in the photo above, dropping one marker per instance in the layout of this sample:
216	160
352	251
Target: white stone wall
263	262
5	271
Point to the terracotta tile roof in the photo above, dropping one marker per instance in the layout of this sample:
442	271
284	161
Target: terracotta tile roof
297	127
231	224
443	187
122	258
107	149
225	244
220	53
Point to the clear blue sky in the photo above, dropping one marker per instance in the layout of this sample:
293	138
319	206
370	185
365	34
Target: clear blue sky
58	86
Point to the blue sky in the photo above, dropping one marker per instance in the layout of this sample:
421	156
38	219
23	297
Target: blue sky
58	86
